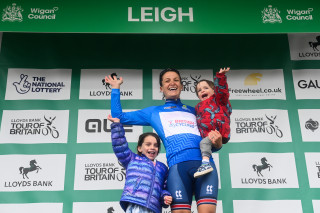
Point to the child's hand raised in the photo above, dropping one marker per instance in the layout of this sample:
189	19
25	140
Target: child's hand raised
224	70
114	81
115	120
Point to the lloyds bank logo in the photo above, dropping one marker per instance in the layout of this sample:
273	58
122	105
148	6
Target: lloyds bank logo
12	13
271	15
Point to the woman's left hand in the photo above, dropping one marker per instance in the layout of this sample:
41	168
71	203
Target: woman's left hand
216	139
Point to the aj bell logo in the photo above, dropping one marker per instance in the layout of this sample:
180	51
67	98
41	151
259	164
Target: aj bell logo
271	15
209	189
253	79
33	167
259	168
178	194
12	13
311	125
315	44
97	125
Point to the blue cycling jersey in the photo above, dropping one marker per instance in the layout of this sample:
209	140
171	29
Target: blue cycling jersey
174	122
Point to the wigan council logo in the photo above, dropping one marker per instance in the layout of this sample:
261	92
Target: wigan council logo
12	13
271	15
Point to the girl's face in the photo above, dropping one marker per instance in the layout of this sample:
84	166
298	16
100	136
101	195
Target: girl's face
171	85
149	147
204	91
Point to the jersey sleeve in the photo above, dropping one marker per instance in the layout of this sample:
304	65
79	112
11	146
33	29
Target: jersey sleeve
221	89
139	117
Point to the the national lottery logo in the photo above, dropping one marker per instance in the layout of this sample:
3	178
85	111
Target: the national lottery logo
312	125
33	167
37	85
271	15
315	44
264	165
12	13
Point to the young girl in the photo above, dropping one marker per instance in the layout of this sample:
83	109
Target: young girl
145	177
213	113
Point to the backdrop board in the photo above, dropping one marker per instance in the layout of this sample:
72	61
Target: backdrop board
55	146
166	16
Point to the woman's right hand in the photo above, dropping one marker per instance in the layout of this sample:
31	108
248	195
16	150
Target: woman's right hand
115	120
114	82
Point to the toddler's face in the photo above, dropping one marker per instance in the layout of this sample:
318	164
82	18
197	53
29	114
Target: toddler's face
149	147
204	91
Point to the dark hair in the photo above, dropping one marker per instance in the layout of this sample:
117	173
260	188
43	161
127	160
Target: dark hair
210	83
165	71
143	136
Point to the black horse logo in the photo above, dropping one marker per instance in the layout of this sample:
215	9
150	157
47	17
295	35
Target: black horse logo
315	44
264	165
110	210
33	167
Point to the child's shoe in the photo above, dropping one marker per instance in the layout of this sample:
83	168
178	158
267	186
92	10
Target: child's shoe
205	168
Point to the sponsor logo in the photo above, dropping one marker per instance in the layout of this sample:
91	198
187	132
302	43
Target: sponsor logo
12	13
259	168
298	15
318	169
97	125
110	210
38	85
107	85
258	125
178	194
104	171
33	167
170	107
185	107
311	125
271	15
253	79
34	126
209	189
303	84
315	44
189	83
180	123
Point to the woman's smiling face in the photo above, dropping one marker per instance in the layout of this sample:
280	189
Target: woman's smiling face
171	85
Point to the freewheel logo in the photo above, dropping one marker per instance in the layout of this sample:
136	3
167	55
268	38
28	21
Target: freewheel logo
271	15
12	13
253	79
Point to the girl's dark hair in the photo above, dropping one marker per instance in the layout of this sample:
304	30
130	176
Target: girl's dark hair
165	71
143	136
210	83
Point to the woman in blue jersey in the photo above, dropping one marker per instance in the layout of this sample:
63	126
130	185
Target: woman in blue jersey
176	124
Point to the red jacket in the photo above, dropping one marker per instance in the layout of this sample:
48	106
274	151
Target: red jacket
214	112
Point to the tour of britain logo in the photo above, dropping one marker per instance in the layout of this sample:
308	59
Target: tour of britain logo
271	15
12	13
